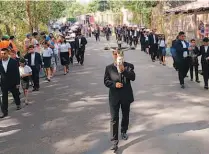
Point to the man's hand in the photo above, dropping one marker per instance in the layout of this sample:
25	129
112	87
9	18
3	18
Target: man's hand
190	48
121	67
207	58
118	85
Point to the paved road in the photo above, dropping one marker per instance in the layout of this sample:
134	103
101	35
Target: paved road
70	115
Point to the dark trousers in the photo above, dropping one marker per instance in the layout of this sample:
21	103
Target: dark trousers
72	44
153	51
135	40
194	67
114	111
205	71
15	94
183	68
80	55
174	63
130	41
97	37
35	77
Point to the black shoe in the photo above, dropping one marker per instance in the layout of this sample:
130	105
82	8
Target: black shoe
4	115
198	81
182	86
114	147
18	107
206	87
124	136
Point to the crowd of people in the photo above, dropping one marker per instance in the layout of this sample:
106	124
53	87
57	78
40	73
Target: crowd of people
185	53
40	52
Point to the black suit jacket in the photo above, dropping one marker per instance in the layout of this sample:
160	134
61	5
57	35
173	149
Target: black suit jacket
38	60
151	39
83	42
124	94
11	78
137	33
180	50
204	54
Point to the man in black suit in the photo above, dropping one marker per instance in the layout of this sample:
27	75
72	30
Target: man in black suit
80	43
10	81
120	96
194	53
153	43
204	51
135	36
182	57
35	62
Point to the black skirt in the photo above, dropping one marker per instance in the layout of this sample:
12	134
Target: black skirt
64	56
25	82
47	62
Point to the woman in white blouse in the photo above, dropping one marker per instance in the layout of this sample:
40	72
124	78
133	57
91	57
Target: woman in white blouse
64	49
162	49
47	54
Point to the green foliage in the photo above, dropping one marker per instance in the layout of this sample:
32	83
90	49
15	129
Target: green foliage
16	13
93	6
144	8
74	9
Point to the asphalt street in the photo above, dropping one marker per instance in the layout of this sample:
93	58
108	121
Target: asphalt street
70	115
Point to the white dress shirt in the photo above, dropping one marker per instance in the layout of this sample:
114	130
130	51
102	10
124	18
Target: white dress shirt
64	47
184	44
5	64
135	33
162	43
154	38
25	70
47	52
206	48
33	59
79	40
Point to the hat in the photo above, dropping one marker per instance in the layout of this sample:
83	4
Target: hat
5	37
205	39
22	60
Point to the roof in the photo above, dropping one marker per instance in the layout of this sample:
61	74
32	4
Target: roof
198	5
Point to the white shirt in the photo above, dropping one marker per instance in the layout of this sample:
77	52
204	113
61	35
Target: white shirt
162	43
184	44
56	49
64	47
25	70
5	64
32	59
146	38
47	52
154	39
79	40
135	33
206	48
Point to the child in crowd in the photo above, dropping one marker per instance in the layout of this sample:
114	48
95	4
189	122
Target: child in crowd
25	73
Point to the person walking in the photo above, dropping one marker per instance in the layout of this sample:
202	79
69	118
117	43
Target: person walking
10	81
204	50
35	63
80	43
120	95
182	57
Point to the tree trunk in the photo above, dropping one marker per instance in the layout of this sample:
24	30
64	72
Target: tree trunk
28	12
35	17
7	29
